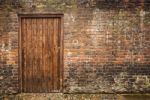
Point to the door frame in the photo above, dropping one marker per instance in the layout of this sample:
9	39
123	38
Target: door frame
61	48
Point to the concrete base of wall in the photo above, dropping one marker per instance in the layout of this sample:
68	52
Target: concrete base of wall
61	96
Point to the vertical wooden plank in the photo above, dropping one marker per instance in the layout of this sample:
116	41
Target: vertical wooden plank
20	51
43	55
51	50
41	46
46	57
36	63
60	54
43	51
52	53
23	50
29	56
55	49
40	54
33	50
21	60
35	66
61	64
25	57
49	68
58	57
29	80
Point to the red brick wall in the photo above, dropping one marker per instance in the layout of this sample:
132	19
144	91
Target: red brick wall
8	51
107	51
106	44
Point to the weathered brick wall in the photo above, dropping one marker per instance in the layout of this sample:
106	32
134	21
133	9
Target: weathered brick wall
8	52
106	44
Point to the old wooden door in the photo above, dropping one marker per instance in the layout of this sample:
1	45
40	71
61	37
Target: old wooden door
41	54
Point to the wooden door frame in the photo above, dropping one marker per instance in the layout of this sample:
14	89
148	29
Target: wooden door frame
43	15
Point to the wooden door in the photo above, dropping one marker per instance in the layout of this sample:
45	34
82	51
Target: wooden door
41	54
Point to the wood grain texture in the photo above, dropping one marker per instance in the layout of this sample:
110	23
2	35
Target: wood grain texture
41	55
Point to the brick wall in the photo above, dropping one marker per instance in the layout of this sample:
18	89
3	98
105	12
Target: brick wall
106	44
8	52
